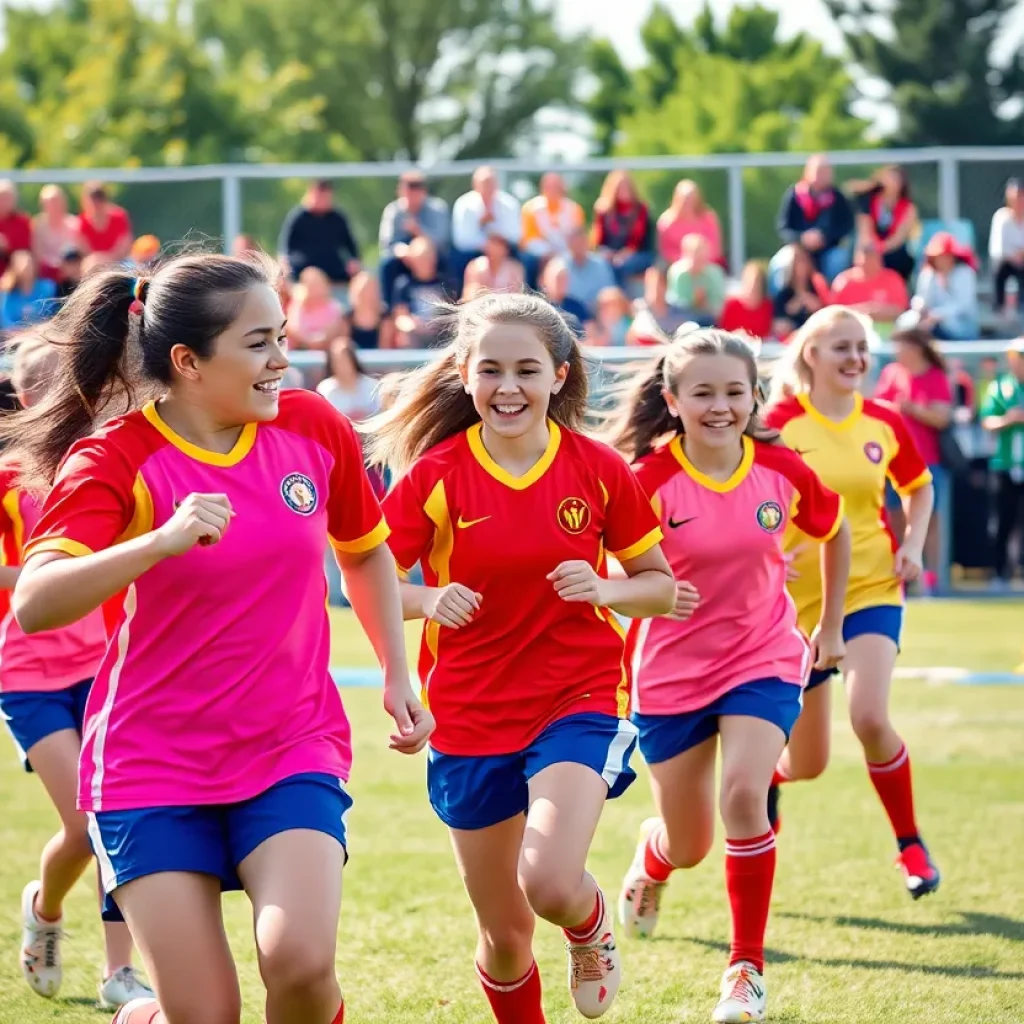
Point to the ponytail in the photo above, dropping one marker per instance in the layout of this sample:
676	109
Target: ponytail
641	416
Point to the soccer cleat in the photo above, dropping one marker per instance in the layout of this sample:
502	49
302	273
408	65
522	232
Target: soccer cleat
774	816
919	873
40	946
640	898
122	987
595	970
743	998
124	1015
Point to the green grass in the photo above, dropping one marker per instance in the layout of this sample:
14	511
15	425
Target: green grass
846	943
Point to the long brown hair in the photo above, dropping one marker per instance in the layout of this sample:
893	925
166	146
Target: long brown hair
642	418
432	404
922	340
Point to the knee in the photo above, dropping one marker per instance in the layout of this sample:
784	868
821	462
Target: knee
743	800
208	1007
553	897
76	838
871	725
298	964
690	851
508	941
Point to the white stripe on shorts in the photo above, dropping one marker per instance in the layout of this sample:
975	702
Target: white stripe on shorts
108	876
614	764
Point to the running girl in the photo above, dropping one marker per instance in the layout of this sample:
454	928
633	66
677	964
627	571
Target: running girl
511	511
854	444
730	661
44	682
216	747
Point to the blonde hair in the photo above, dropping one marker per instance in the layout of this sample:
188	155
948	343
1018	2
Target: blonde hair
609	189
431	403
792	374
687	186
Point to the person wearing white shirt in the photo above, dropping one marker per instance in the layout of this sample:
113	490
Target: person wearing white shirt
1006	243
486	210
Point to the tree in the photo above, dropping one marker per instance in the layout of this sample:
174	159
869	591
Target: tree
937	60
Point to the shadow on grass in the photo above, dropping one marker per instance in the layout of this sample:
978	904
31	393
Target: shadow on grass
85	1002
971	923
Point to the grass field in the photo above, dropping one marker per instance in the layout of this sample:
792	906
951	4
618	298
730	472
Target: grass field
845	942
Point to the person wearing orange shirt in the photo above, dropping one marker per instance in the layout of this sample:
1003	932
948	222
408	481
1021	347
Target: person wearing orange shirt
548	221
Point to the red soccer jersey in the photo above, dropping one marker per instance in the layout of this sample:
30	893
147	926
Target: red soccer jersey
528	658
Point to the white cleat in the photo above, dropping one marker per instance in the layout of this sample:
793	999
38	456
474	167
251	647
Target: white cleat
595	971
640	898
125	1013
743	997
40	946
121	988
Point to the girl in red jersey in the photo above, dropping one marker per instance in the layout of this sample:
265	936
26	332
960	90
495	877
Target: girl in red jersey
855	444
511	512
730	662
216	747
44	682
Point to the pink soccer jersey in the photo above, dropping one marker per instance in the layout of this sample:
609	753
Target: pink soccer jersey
58	658
726	539
216	684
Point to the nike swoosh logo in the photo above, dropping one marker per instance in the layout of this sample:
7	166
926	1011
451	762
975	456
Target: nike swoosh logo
463	523
804	451
680	522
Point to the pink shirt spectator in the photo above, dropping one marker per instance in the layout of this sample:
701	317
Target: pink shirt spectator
314	321
897	384
55	659
216	684
672	232
726	539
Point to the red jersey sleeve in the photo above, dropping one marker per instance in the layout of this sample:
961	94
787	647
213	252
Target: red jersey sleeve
816	510
630	526
406	509
907	470
778	415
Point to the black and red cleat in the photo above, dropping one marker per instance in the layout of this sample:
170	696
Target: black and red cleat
920	874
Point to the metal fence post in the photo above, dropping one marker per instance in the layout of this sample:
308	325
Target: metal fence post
231	212
737	232
949	186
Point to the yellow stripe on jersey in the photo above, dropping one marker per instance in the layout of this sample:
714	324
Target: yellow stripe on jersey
642	546
440	560
367	542
12	506
142	517
62	544
915	484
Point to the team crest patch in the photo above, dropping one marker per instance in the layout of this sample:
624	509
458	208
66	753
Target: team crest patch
769	516
873	450
573	515
299	493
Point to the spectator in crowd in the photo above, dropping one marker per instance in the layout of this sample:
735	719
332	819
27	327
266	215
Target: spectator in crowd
315	316
750	308
145	251
695	284
988	371
1006	244
887	217
548	220
871	287
817	215
70	271
414	214
655	319
688	215
917	383
589	274
106	228
947	289
804	291
316	233
15	226
418	297
349	388
622	228
365	323
611	325
54	232
484	211
1002	413
24	296
555	285
495	271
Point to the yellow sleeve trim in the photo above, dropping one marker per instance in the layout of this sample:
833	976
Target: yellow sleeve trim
916	485
641	547
62	544
403	574
840	515
367	542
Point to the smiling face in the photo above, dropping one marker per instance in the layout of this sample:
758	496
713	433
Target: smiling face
511	378
713	398
839	357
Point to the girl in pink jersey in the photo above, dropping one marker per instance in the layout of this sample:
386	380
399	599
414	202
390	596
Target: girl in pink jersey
44	682
731	660
216	747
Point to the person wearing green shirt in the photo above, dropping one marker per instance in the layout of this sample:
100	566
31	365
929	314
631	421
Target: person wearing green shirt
1002	412
696	286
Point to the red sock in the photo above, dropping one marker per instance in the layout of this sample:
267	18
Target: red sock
778	778
749	874
148	1014
514	1002
656	862
893	785
587	930
340	1019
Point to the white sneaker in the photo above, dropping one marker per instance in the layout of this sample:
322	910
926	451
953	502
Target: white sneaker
640	898
595	971
743	997
121	988
40	946
124	1014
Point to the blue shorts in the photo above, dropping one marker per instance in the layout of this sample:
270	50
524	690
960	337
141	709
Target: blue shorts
33	716
469	792
663	737
880	620
211	840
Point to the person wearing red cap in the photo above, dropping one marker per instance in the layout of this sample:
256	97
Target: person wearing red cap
947	289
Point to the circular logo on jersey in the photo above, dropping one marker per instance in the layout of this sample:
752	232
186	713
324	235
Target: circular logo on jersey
769	516
299	493
873	450
573	515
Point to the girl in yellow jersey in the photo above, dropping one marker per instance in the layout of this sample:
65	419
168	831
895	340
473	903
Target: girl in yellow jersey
854	444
